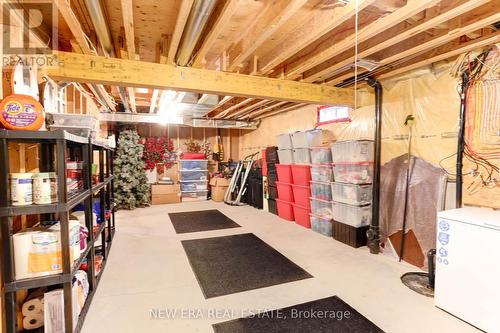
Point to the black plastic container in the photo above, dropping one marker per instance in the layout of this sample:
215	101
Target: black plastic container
272	192
273	208
272	155
352	236
272	177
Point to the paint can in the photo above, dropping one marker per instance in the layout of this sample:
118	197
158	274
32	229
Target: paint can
21	189
44	188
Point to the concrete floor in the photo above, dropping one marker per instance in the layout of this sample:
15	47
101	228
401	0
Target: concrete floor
148	272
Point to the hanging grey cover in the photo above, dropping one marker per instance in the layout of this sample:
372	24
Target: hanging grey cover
427	190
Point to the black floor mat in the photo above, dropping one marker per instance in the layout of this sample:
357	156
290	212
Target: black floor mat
328	315
201	220
231	264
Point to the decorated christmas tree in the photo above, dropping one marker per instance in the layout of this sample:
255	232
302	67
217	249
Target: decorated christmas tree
130	184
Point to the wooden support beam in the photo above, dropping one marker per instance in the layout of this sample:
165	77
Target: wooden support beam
102	70
222	20
276	14
466	47
369	31
180	23
319	25
285	109
380	44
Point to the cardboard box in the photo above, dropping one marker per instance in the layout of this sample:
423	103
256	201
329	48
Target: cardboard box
219	188
160	199
165	194
165	189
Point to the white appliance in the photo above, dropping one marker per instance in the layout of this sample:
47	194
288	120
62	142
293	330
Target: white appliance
468	266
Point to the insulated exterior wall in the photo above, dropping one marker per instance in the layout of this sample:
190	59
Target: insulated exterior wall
433	100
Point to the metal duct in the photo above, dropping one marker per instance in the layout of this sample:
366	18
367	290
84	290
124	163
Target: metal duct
101	28
98	19
198	18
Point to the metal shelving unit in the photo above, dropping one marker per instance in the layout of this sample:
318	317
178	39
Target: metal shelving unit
62	145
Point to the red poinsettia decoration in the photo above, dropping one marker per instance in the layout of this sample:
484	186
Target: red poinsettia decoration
158	153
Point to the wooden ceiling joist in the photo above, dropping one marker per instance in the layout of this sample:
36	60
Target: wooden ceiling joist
274	17
444	38
275	112
222	20
410	9
180	23
227	111
470	46
312	30
247	109
455	9
83	43
128	24
254	114
102	70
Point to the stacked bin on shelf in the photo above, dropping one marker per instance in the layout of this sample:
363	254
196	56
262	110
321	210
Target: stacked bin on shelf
321	195
271	159
352	190
193	175
285	193
284	177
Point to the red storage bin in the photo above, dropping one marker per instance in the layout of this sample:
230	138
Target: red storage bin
193	156
285	210
284	173
301	174
301	195
264	162
285	191
301	214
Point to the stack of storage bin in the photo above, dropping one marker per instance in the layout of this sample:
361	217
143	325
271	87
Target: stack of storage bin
352	190
271	159
285	198
321	196
193	175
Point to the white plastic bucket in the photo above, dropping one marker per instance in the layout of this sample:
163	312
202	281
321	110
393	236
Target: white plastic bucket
44	188
21	189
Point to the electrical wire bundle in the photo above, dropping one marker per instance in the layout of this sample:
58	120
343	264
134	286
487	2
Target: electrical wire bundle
482	112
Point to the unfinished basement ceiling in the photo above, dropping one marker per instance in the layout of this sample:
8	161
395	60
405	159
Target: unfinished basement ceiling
305	40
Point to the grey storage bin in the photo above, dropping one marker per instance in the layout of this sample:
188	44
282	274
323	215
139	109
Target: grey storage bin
321	208
307	139
285	156
353	151
301	156
322	191
194	195
322	173
194	185
193	174
355	216
354	173
321	225
321	155
284	141
193	164
352	194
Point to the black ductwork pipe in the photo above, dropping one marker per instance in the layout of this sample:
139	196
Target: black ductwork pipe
461	134
374	232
